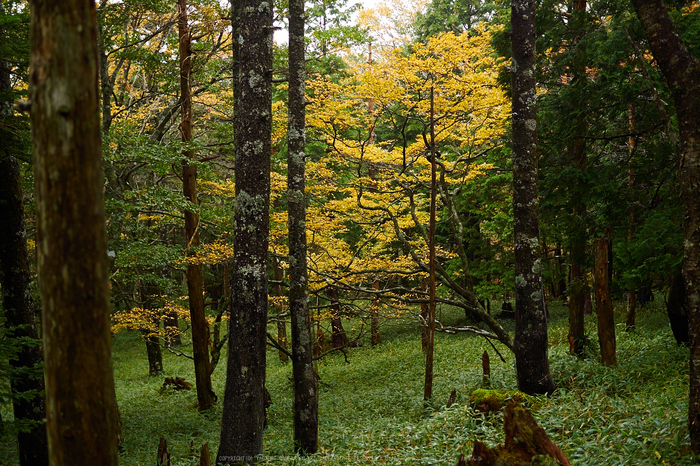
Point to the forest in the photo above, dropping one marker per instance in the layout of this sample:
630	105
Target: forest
459	232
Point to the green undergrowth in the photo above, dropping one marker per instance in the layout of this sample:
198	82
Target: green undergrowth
372	410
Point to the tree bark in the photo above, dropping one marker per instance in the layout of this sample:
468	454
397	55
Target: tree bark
530	342
81	408
244	399
305	390
603	304
682	73
195	285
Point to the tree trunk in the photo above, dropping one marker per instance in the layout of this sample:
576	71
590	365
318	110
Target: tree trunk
425	315
244	401
81	408
682	73
374	317
430	349
281	324
603	304
305	391
150	335
579	159
15	280
195	285
530	342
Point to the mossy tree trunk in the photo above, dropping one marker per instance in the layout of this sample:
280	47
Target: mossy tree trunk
530	342
244	399
305	390
81	408
682	73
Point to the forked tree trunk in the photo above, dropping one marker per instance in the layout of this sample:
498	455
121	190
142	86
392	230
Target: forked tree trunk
81	408
682	73
603	304
244	401
530	342
305	390
195	285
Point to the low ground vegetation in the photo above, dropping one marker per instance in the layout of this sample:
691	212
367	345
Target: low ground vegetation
372	412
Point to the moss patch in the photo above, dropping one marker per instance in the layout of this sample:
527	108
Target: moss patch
492	401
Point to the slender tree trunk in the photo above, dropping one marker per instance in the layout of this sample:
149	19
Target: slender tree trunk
429	353
374	317
603	304
425	316
244	400
682	73
281	324
530	342
305	391
579	160
21	319
81	408
195	285
150	336
630	323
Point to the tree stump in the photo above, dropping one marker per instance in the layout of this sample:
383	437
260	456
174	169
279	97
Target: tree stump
525	441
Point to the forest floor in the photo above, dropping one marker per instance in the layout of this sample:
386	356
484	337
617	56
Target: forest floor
372	412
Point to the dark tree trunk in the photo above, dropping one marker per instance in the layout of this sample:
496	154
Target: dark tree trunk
682	73
15	278
19	313
195	285
244	401
281	324
530	342
430	348
676	309
579	160
81	408
603	304
339	338
305	391
374	317
425	315
150	335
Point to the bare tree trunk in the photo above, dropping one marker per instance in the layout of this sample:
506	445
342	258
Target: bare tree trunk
281	324
682	73
425	315
579	160
195	285
15	278
244	400
429	353
305	390
603	304
530	342
21	319
153	351
81	408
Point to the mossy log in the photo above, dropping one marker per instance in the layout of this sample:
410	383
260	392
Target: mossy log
526	443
